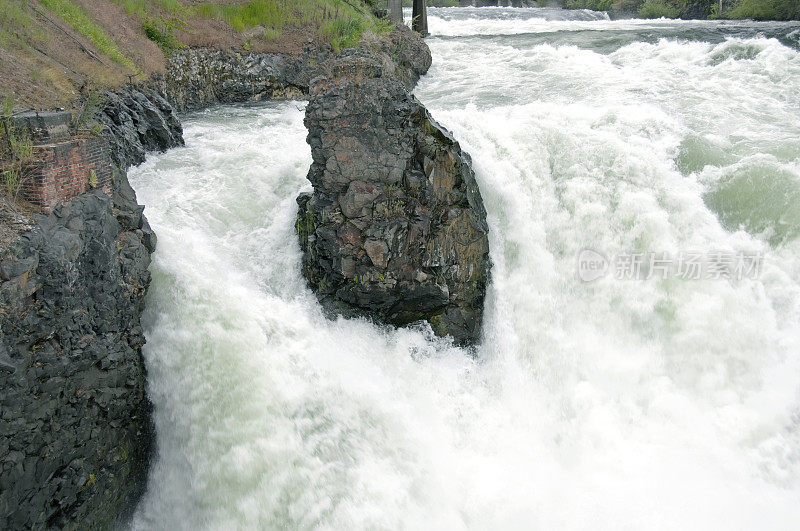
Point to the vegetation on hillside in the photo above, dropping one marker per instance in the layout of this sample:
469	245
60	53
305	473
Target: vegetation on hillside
16	150
766	10
81	20
731	9
340	23
12	14
51	51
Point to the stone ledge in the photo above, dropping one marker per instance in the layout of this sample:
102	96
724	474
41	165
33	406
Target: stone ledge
44	126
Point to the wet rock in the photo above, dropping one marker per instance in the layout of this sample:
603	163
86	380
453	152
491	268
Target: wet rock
395	228
75	433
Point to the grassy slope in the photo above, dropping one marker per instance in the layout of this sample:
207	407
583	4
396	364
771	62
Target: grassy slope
50	49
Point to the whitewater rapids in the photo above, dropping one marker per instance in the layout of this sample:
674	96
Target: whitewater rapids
613	404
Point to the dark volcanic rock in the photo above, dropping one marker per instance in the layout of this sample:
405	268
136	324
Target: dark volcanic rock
403	54
396	227
75	434
198	78
136	120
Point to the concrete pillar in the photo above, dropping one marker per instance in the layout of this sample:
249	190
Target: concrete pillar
396	12
419	20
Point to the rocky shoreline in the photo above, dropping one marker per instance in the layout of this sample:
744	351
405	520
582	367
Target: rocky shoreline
395	206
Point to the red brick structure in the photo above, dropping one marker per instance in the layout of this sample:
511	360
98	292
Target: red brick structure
63	165
67	168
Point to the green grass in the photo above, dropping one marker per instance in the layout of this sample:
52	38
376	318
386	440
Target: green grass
144	8
78	18
340	23
16	24
658	9
343	32
279	13
766	10
14	15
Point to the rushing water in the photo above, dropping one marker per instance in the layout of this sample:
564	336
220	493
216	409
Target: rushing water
614	404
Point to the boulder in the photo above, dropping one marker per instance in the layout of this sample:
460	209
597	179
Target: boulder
395	228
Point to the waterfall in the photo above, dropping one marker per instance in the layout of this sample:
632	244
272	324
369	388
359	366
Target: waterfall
616	403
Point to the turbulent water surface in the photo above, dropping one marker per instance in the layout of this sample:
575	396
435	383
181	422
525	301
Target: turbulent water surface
615	404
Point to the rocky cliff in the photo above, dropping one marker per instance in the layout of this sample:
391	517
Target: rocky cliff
197	78
75	428
74	424
137	120
395	228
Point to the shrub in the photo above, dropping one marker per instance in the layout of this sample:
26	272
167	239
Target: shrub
766	10
85	118
11	179
162	32
16	149
658	9
343	32
22	146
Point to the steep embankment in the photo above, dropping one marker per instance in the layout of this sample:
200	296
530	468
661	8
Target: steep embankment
57	52
75	428
75	422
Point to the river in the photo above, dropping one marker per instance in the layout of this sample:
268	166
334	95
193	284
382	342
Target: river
666	402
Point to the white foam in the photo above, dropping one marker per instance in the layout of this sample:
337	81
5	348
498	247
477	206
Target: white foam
611	405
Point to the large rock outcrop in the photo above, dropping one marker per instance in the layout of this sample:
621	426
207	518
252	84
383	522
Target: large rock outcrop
75	432
395	228
198	78
137	119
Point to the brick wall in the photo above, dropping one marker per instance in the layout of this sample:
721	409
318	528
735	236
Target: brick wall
65	169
